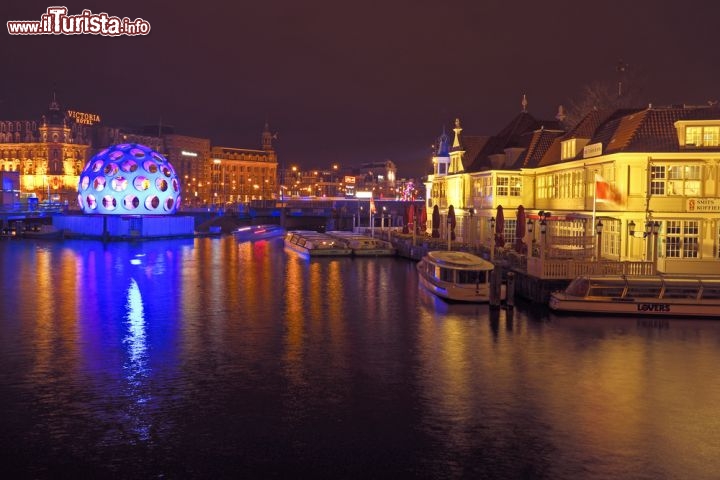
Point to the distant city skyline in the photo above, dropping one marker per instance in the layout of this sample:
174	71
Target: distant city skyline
356	83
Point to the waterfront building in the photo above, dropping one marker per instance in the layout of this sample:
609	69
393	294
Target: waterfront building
632	189
240	175
48	155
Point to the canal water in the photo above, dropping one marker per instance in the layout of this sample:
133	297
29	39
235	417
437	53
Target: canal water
208	358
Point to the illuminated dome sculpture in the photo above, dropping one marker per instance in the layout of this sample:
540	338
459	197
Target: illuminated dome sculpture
129	179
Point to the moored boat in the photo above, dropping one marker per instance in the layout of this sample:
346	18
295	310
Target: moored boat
454	275
44	232
647	295
315	244
362	245
257	232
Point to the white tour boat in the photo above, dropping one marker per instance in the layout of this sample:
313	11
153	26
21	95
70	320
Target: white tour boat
257	232
315	244
362	245
455	275
655	295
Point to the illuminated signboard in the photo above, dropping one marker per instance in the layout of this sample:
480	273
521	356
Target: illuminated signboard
592	150
188	154
349	179
84	118
363	195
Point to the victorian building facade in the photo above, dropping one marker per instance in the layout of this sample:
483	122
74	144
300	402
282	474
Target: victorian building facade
48	156
634	185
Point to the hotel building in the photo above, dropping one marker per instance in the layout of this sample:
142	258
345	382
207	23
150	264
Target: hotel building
48	156
624	191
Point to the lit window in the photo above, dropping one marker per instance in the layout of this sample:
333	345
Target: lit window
702	136
682	238
657	180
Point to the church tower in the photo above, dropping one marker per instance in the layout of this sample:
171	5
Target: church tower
267	138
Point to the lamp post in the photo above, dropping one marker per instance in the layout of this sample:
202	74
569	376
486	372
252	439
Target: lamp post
449	222
655	230
492	238
529	241
599	229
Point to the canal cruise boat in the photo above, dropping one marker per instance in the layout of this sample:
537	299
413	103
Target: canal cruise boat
362	245
456	276
257	232
315	244
651	295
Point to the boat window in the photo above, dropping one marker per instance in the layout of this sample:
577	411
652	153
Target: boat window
711	292
447	275
680	291
606	291
470	276
643	291
578	287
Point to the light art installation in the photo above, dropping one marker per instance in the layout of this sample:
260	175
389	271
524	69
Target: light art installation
129	179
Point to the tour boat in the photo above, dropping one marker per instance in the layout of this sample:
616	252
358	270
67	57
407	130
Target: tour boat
43	231
654	295
362	245
315	244
454	275
258	232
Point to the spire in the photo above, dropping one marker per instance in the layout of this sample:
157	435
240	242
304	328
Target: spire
524	103
443	145
54	105
457	130
267	137
560	114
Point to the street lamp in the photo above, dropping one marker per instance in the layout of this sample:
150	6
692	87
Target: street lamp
599	229
530	226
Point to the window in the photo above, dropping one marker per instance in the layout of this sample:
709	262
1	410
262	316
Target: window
568	149
684	180
657	180
508	186
703	136
509	231
682	238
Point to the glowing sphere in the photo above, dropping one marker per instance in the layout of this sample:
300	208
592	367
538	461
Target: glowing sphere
129	179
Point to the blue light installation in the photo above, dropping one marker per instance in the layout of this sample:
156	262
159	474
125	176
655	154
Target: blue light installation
129	179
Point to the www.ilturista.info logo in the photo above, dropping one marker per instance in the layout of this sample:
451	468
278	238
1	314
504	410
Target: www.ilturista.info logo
56	21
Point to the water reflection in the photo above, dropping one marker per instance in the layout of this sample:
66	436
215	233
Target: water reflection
136	368
210	358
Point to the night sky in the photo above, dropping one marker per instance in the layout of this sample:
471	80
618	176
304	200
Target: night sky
355	81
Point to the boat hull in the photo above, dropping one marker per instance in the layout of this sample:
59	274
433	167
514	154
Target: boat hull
560	302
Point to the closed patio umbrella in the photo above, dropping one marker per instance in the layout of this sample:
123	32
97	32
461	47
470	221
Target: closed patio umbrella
423	219
452	221
436	222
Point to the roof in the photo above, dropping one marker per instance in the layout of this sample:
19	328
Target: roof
634	130
519	133
542	140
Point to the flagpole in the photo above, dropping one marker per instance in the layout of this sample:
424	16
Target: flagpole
592	226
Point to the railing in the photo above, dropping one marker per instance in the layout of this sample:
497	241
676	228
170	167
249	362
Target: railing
563	269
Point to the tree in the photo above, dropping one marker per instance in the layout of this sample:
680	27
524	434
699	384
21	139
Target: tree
626	91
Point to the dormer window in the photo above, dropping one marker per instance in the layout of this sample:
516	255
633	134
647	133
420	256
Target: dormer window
698	133
702	136
568	149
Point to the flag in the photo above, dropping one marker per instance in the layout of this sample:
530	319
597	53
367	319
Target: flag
604	192
372	206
